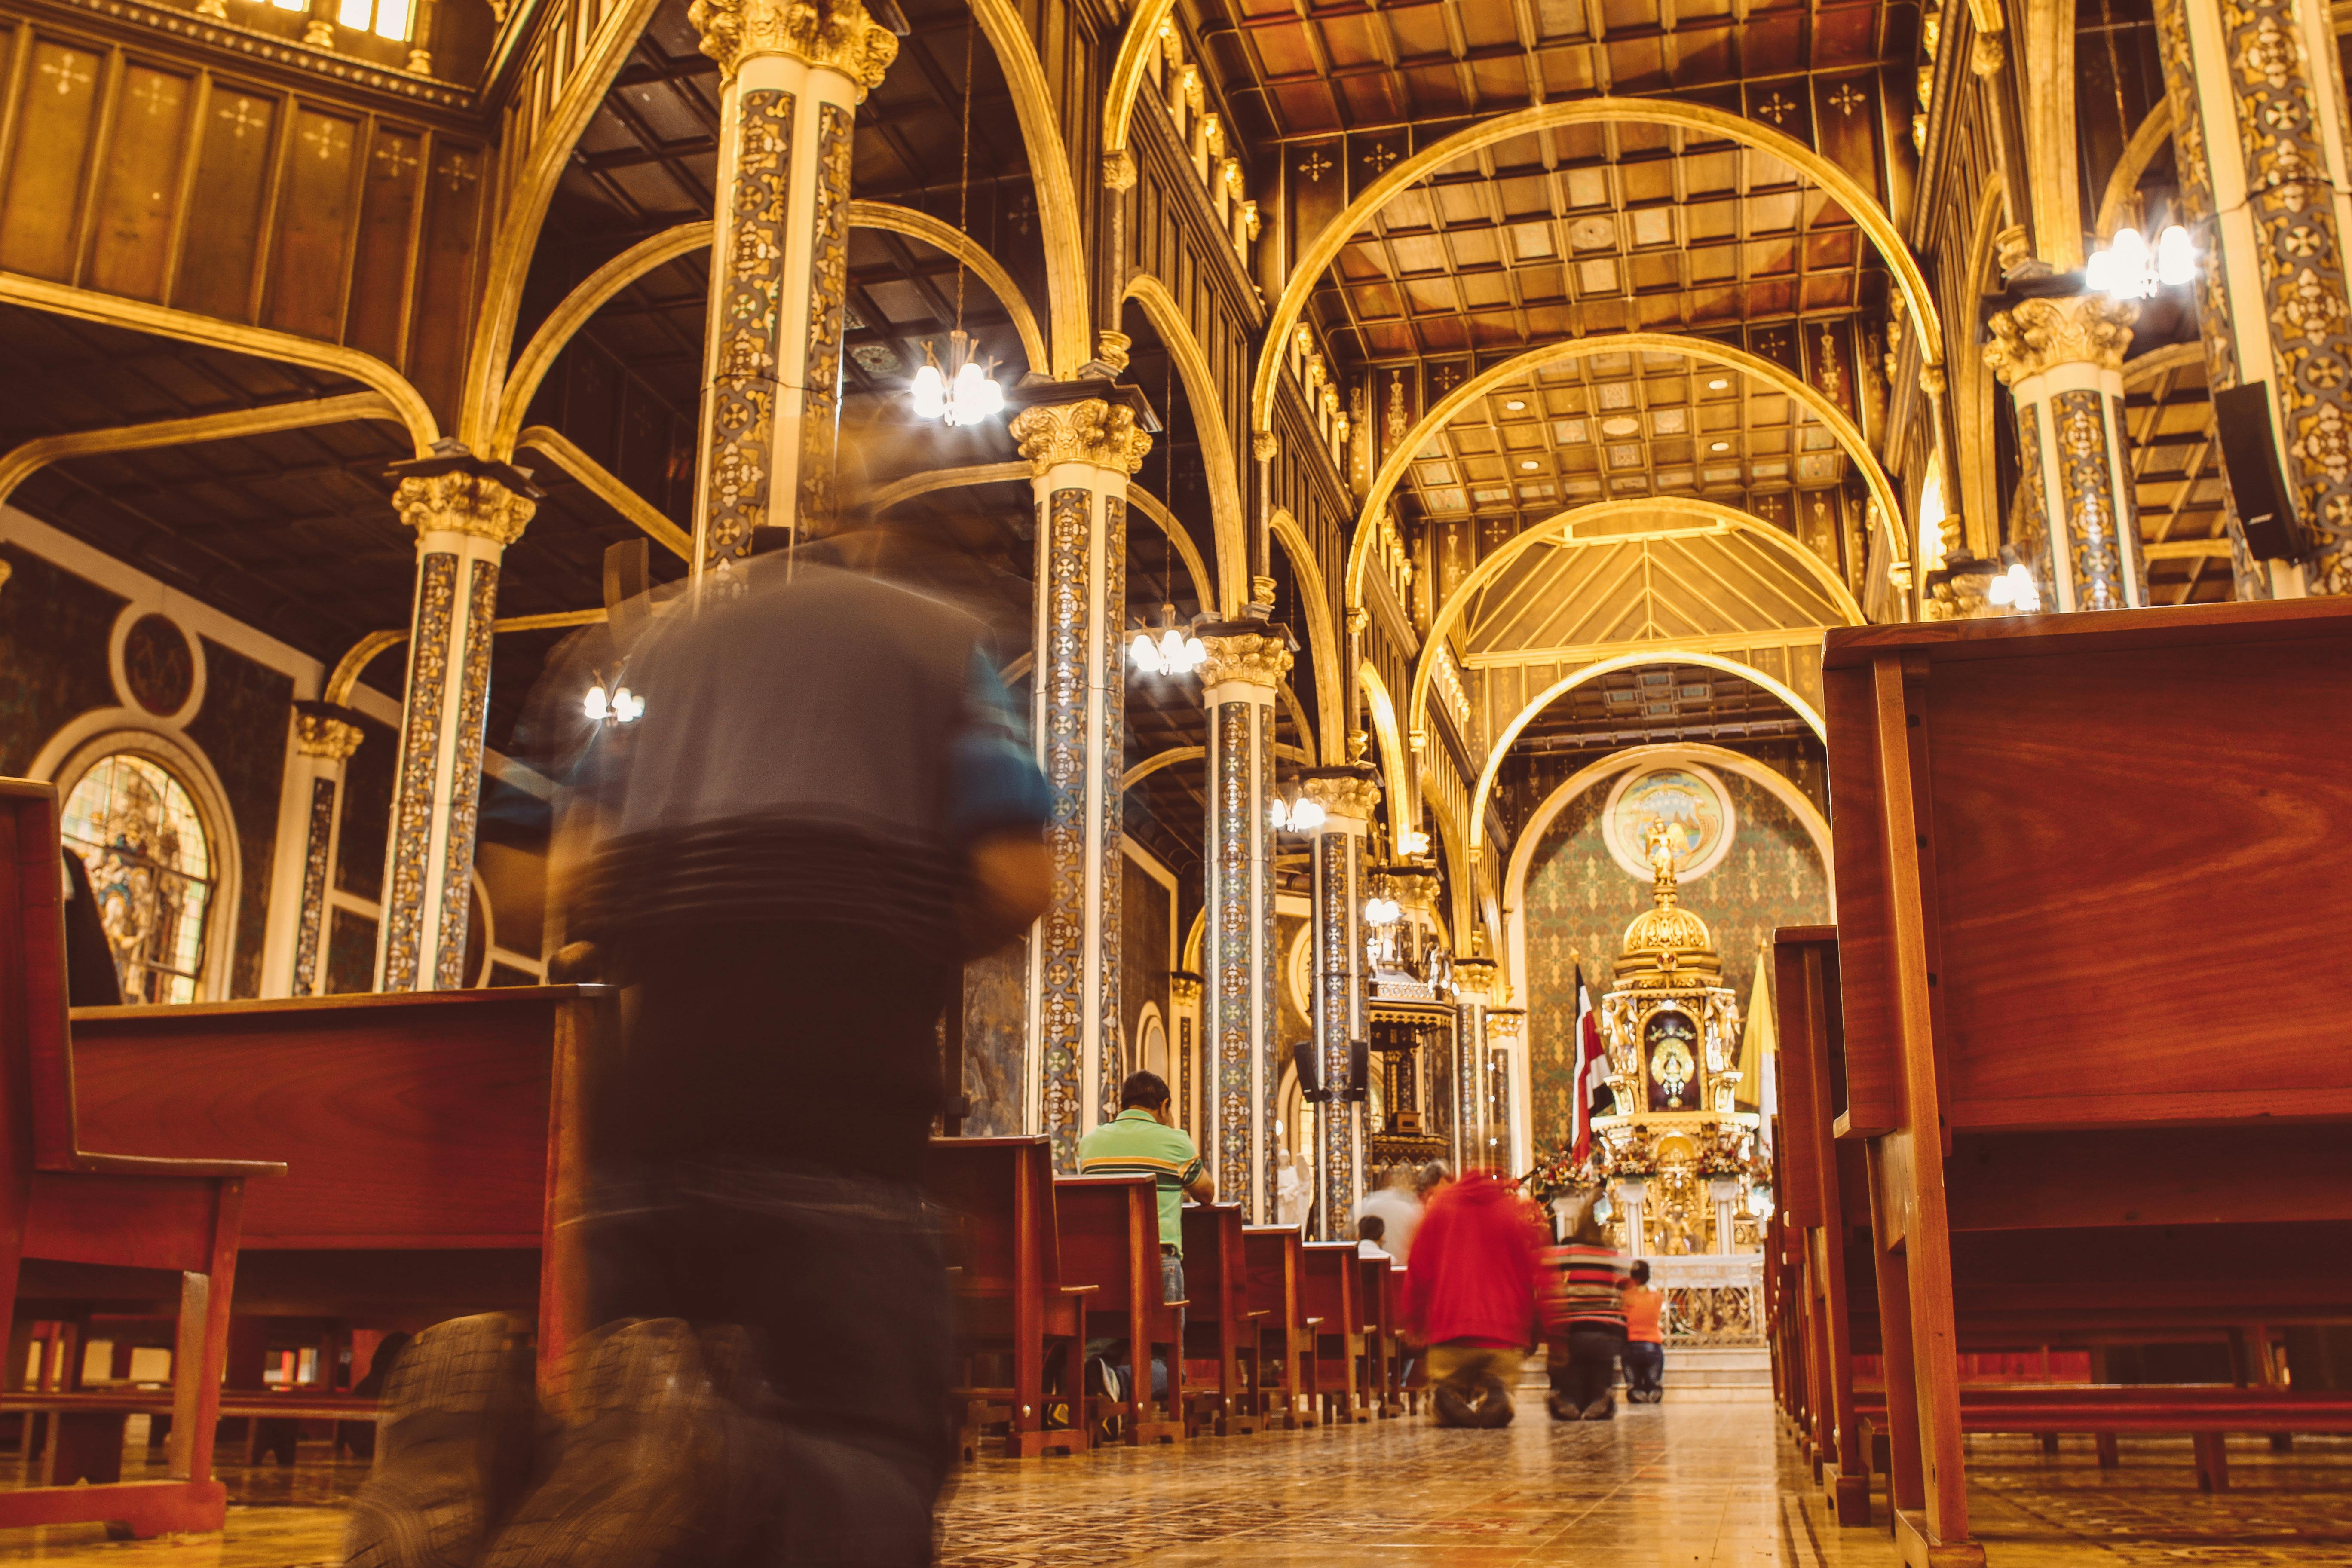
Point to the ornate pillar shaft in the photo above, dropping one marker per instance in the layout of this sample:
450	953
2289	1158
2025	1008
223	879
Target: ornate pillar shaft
792	76
466	512
1347	796
324	741
1505	1036
1474	995
1247	661
1080	454
2062	360
1184	1000
2259	132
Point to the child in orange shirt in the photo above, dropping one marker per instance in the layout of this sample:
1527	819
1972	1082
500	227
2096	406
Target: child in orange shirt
1645	1348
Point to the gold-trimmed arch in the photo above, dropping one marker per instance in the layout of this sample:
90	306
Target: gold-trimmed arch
1136	48
1402	176
1322	634
2155	133
262	342
1396	762
23	461
555	333
1225	512
1779	377
1179	536
1663	653
1456	606
946	237
1049	170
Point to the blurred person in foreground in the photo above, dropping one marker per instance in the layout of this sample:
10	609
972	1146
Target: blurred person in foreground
1646	1338
825	806
1470	1296
1584	1321
1397	1206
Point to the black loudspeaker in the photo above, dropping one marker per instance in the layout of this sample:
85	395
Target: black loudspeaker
1310	1081
2241	418
1360	1069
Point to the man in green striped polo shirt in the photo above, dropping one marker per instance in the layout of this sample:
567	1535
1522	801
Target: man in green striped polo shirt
1143	1140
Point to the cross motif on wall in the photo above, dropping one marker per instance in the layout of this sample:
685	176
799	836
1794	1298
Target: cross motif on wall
397	159
1845	101
1776	109
331	137
458	171
1379	158
68	77
1316	166
149	92
241	116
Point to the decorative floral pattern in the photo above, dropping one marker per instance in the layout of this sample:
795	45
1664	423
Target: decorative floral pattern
1231	973
1109	679
743	385
465	777
1261	884
1339	981
420	755
828	289
2033	519
1061	959
2086	488
316	850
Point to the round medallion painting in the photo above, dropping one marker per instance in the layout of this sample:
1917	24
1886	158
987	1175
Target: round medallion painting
1687	797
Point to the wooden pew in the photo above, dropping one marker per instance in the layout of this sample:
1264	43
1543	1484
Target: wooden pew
1110	1239
1011	1302
1221	1328
1409	1376
168	1210
2090	884
433	1141
1331	1294
1287	1372
1383	1364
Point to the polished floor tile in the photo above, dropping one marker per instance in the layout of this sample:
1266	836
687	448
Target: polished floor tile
1683	1485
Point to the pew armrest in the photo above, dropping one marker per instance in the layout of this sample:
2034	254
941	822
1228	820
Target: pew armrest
150	1165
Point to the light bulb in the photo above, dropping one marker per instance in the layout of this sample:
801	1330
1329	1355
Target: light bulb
2176	257
1305	817
1145	653
2024	593
1279	814
930	393
1195	654
1172	649
968	403
2099	272
597	705
627	706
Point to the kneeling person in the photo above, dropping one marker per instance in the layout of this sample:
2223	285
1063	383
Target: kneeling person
1470	1298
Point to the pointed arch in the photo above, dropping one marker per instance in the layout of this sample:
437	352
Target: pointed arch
1210	422
1456	606
1049	170
1127	72
1664	653
1322	634
1779	377
1848	191
1396	762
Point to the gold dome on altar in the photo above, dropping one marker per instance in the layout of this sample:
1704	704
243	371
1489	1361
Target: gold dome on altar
1666	944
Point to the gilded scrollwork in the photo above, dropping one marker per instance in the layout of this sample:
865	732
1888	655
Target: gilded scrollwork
1253	659
420	757
1062	679
2034	334
741	436
1089	431
466	776
317	848
2032	518
462	503
830	35
829	293
2086	485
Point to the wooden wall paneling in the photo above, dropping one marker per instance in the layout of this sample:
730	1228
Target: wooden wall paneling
141	191
318	202
102	142
12	87
390	216
447	264
273	191
235	149
51	151
184	199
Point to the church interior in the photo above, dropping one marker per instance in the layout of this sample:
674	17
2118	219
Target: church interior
1695	605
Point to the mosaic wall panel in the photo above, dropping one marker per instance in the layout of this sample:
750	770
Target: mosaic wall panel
1227	998
452	970
2086	487
317	841
1334	984
1110	763
1061	956
53	628
1579	902
741	437
995	1040
828	290
242	729
420	752
1261	827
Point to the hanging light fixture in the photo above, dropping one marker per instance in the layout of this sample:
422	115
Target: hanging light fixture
2015	589
1300	815
965	391
2129	269
620	705
1172	651
1383	911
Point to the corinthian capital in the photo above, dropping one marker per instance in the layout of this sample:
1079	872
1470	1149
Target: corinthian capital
1088	431
2034	334
1343	792
828	35
1253	659
461	502
320	733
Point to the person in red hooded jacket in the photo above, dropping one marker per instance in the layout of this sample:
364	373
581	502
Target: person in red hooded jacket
1470	1296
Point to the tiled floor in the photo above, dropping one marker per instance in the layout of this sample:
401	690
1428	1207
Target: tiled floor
1685	1484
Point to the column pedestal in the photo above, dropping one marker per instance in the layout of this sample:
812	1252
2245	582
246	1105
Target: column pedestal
466	512
1080	454
1347	796
1247	661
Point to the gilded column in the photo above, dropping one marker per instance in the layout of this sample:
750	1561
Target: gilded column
1474	995
2062	360
1080	456
2259	136
324	740
792	76
466	512
1506	1030
1246	662
1184	1000
1347	795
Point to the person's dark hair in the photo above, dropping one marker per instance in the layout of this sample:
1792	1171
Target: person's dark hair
1146	1091
1433	1175
1372	1227
1640	1271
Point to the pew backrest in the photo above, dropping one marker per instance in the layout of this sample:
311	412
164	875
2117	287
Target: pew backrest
1000	1192
1110	1238
36	1125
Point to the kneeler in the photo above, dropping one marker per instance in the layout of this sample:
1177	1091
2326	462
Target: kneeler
62	1204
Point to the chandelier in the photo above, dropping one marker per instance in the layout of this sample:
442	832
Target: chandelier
1300	815
2129	269
965	393
620	705
2015	589
1175	651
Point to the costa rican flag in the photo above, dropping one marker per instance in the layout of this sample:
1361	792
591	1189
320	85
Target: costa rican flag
1591	1082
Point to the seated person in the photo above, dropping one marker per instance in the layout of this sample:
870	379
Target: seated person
1143	1140
1369	1231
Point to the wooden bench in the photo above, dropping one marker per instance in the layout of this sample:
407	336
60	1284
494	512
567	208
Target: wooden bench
1012	1306
135	1207
1221	1328
1332	1294
1287	1372
1110	1239
2090	886
86	1430
1384	1364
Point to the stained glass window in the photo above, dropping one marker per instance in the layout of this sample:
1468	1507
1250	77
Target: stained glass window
136	829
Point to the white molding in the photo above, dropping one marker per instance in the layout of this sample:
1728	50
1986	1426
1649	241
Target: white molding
118	670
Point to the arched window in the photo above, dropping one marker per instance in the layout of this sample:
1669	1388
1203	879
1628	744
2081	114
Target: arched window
137	830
